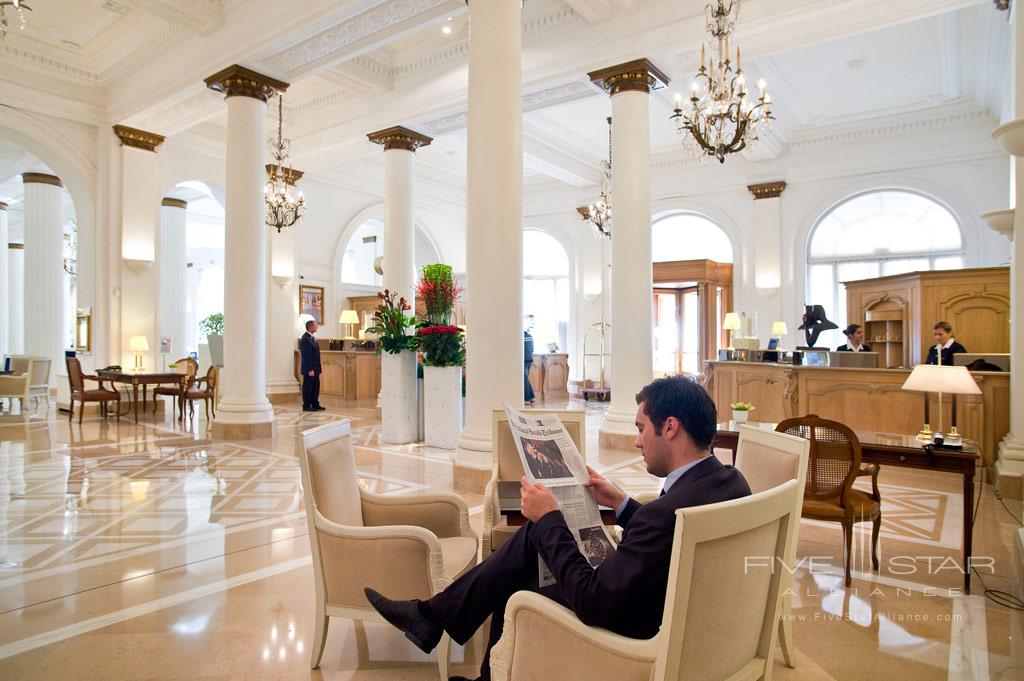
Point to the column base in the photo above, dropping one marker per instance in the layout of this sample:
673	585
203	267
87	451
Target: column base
244	431
1009	468
619	442
470	478
244	420
618	431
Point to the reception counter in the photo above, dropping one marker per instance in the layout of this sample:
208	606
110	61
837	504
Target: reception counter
863	399
348	374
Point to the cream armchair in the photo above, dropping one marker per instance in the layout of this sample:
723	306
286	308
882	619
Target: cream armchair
506	466
38	369
406	547
768	458
707	632
15	388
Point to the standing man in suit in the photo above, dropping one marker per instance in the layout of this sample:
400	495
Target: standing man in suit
676	420
944	341
310	369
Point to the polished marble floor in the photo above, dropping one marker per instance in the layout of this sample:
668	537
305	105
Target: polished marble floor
150	551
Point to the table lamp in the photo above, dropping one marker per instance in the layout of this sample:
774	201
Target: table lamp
348	318
730	324
138	345
778	330
933	378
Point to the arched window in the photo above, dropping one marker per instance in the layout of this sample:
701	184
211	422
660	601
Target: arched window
874	235
546	289
367	244
687	236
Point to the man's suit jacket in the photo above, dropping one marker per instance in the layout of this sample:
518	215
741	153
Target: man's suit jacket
626	594
310	353
947	354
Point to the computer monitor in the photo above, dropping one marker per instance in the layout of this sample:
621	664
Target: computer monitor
966	359
853	360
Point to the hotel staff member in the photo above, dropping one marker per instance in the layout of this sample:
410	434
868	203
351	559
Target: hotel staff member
943	332
854	340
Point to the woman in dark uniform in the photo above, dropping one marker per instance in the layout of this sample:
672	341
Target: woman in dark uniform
854	340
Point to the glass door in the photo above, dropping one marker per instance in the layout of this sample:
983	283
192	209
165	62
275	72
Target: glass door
677	331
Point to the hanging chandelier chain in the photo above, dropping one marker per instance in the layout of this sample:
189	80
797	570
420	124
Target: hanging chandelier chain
282	209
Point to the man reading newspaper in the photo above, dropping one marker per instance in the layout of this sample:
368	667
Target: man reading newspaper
676	420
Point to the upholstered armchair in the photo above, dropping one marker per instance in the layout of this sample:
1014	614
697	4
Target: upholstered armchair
79	392
507	467
409	546
188	367
15	387
707	631
768	458
38	370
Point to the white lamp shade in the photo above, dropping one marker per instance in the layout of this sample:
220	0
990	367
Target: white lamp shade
942	379
138	344
348	317
778	329
731	322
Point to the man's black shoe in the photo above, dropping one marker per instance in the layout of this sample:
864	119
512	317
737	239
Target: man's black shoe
319	407
462	678
308	408
407	618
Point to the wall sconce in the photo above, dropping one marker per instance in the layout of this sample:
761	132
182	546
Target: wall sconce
138	265
283	280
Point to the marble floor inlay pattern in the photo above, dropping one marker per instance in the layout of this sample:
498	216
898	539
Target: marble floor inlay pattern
151	551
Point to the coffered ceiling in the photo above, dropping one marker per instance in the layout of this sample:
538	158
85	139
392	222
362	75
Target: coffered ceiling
360	65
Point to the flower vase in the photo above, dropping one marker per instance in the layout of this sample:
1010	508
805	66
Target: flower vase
740	415
442	406
398	398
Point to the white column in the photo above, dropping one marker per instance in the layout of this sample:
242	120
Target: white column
173	274
5	286
768	258
494	229
1010	136
632	361
244	412
16	297
43	288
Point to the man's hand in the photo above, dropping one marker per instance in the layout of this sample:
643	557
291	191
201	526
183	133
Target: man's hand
607	494
311	372
537	500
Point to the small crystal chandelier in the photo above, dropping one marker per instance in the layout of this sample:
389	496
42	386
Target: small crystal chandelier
599	213
18	9
282	209
722	119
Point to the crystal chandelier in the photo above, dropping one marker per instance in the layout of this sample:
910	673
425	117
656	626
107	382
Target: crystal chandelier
17	9
283	210
719	116
599	213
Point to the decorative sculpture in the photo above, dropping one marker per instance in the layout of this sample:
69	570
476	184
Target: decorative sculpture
814	322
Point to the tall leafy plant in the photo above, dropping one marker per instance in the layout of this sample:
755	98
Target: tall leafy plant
213	324
442	343
390	323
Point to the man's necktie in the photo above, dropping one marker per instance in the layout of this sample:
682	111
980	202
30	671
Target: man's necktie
662	492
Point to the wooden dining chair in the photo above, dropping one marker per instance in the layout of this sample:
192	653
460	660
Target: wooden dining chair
101	394
189	367
204	389
833	466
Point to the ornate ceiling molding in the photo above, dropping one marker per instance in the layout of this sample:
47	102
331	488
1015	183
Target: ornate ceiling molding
896	129
138	139
767	190
639	75
238	81
398	137
559	94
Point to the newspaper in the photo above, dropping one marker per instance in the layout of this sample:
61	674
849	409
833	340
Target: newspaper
550	456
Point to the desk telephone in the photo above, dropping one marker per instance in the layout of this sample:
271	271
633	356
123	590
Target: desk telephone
112	367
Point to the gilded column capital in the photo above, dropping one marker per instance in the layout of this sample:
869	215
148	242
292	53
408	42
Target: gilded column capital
174	203
398	137
238	81
767	190
138	139
41	178
638	75
3	206
15	246
291	175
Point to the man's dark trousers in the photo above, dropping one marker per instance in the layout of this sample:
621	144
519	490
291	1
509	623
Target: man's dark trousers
310	390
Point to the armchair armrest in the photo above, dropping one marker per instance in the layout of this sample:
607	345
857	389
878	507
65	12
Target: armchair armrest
91	377
405	545
872	469
444	514
538	630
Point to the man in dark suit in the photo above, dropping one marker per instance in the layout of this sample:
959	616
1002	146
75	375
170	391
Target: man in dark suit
309	367
943	332
676	420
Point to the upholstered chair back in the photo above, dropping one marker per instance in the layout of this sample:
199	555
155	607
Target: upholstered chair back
768	458
20	364
187	366
75	379
834	461
329	474
510	467
41	371
724	587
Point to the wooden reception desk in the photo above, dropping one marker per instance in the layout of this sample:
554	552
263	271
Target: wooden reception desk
863	399
348	374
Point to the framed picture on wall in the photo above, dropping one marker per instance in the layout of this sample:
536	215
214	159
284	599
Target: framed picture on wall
311	302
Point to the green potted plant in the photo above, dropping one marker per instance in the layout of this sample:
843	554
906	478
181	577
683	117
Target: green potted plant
741	411
444	353
399	423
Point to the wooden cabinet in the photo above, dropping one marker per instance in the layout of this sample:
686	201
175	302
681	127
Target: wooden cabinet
348	374
899	311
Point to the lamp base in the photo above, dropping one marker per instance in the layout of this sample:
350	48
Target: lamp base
926	434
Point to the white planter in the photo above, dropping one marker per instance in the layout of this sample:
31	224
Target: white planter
442	406
740	415
398	398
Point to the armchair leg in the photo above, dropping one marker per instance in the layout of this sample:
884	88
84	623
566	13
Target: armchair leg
81	413
786	632
848	549
206	405
319	637
444	650
876	523
71	409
